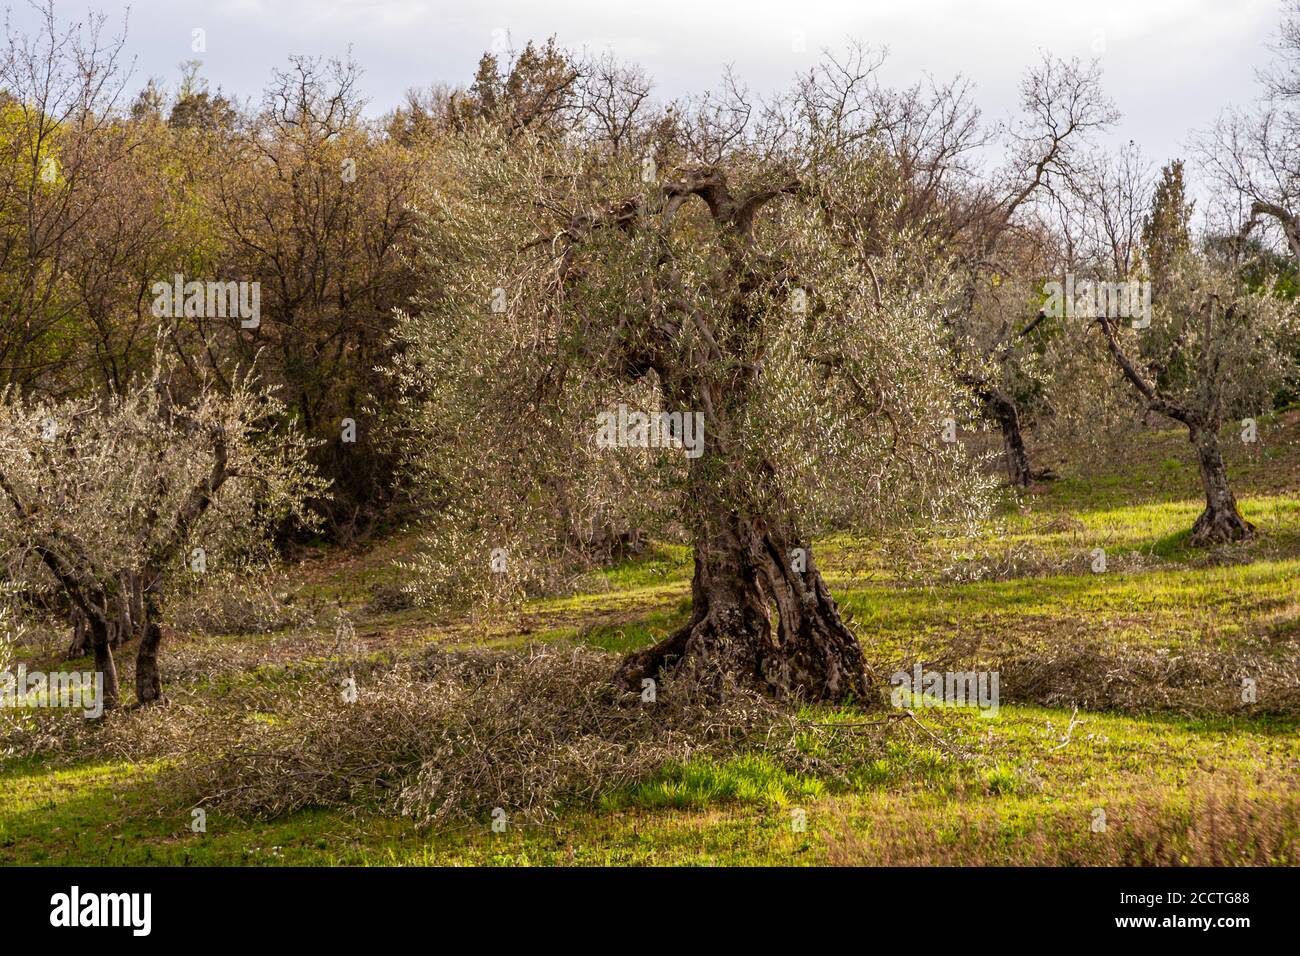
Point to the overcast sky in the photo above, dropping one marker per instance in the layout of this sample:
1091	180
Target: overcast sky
1170	65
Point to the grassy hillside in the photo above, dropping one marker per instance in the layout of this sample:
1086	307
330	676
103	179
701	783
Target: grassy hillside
1120	702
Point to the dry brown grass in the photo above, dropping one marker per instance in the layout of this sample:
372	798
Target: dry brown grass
453	735
1216	822
248	601
1105	676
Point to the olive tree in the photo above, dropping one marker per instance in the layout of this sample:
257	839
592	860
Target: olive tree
998	335
1216	350
703	325
1212	342
140	487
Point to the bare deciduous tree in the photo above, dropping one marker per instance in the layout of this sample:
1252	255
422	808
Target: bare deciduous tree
1253	155
60	149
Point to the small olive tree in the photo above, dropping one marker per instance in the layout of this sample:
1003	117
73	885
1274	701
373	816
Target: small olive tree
1217	350
1198	337
106	496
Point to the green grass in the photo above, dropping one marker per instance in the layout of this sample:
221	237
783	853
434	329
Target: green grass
738	811
1022	583
751	778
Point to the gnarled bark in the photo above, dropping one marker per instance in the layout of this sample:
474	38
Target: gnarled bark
80	634
101	642
744	571
148	678
1013	443
1221	521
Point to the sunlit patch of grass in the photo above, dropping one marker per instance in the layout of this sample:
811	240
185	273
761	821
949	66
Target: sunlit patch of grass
751	778
1003	778
641	632
664	564
1169	607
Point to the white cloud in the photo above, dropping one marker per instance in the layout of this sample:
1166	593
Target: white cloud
1170	65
